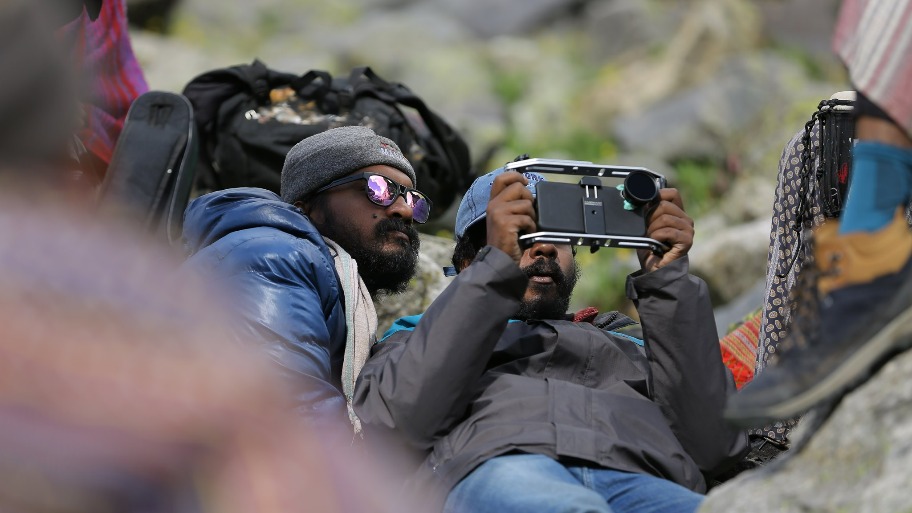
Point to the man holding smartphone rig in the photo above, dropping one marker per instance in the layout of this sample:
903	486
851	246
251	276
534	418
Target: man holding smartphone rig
511	404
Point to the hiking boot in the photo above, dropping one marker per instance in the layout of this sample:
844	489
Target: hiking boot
844	327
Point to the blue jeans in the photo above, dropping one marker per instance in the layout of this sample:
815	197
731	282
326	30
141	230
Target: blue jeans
525	483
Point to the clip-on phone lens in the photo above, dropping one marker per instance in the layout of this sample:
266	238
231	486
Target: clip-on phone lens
640	188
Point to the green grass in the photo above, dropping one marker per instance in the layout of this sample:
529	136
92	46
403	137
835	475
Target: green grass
697	182
510	86
576	145
603	280
808	62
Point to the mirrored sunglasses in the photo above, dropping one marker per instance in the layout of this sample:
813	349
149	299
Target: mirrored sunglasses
383	191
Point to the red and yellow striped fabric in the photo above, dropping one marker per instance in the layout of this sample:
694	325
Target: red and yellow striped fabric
739	349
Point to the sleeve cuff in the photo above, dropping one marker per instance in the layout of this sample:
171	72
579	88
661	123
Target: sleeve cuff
641	282
503	266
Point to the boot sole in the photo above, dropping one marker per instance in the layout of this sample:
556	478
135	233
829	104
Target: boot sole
895	337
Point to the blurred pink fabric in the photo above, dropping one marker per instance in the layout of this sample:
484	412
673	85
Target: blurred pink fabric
874	39
102	52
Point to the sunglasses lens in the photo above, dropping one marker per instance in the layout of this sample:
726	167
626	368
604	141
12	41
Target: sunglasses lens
383	192
380	190
421	209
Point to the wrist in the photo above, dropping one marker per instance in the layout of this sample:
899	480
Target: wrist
868	128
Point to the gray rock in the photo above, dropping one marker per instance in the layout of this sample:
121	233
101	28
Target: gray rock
695	38
150	13
757	152
425	286
386	4
489	18
697	123
245	24
275	54
649	161
803	25
673	128
748	199
624	27
858	460
733	313
731	259
168	63
544	114
445	66
203	22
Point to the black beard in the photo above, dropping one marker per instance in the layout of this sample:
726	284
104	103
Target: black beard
382	272
553	305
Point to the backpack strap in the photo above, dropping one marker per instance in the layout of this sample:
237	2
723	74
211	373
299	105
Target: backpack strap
313	84
257	78
363	80
620	324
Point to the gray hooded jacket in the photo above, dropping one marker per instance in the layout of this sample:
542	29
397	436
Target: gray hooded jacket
465	385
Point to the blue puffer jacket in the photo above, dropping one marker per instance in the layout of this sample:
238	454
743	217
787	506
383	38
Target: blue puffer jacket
273	265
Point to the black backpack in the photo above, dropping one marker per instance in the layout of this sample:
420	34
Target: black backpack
249	116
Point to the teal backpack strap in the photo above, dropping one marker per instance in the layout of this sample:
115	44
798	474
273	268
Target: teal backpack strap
402	324
620	324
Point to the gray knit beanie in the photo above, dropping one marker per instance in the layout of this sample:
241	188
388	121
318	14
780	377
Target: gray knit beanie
330	155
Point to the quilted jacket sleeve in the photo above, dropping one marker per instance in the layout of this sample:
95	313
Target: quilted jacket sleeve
284	296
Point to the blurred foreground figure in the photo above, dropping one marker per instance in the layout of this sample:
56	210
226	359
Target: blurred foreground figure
119	393
69	79
855	303
39	110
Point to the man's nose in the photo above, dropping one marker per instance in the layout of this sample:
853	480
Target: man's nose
400	209
543	250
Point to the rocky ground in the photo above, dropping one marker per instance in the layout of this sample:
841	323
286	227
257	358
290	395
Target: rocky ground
856	460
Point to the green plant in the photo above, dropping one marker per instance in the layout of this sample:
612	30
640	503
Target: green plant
509	86
603	279
809	63
697	182
577	145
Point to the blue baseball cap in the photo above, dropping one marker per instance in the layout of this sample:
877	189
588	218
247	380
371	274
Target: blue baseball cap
473	206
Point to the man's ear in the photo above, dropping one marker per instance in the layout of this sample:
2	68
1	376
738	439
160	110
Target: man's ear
312	209
307	206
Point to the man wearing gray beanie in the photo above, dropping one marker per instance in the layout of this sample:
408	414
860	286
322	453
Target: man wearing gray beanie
327	156
300	270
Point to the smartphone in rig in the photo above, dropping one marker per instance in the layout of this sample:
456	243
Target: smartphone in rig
590	213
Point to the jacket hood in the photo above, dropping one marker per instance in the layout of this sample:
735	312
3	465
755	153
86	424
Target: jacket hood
217	214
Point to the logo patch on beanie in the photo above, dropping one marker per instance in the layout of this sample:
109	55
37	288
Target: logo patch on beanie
388	150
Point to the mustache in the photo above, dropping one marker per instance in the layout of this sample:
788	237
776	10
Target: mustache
395	224
545	267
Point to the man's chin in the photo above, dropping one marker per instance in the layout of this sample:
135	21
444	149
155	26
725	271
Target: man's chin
390	269
395	248
392	252
388	284
541	292
542	306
